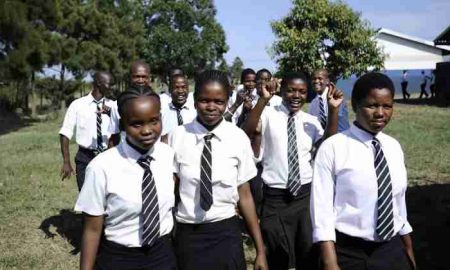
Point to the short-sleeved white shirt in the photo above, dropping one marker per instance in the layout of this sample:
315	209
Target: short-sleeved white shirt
232	166
113	188
274	144
169	118
81	117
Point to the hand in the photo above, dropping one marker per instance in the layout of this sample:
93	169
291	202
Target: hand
334	97
240	97
248	105
268	89
66	171
261	262
331	267
410	253
106	110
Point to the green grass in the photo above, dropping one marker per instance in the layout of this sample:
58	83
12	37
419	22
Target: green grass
31	191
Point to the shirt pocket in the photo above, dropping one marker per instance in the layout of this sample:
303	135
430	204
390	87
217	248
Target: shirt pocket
84	121
225	171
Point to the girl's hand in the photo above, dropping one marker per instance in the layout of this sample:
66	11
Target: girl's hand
268	89
335	96
261	262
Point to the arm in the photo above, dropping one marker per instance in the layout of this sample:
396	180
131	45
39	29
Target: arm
66	169
247	209
230	112
334	100
114	140
407	242
92	231
328	255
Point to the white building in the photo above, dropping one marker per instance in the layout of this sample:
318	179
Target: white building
407	52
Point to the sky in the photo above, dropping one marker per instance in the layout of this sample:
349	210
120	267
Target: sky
249	36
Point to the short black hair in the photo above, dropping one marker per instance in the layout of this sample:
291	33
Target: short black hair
245	72
289	76
172	71
208	76
261	71
171	79
367	82
133	92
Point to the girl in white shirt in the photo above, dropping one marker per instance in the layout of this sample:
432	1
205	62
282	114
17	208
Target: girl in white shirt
214	164
128	194
358	205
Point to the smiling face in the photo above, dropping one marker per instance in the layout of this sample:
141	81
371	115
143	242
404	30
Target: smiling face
140	75
320	81
249	82
211	103
142	121
294	94
374	112
179	90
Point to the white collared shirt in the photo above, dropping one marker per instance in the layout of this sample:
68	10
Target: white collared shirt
274	144
345	188
166	99
314	109
169	116
81	117
113	188
232	166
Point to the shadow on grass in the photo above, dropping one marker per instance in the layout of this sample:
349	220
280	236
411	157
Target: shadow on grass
421	101
10	122
429	215
68	225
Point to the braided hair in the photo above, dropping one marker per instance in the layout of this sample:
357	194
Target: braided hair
245	72
209	76
133	92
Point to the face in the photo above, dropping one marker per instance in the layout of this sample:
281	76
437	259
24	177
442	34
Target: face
179	91
249	82
140	76
294	94
374	112
320	81
211	103
104	84
263	78
142	121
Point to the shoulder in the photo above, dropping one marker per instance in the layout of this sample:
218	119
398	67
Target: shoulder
106	159
78	102
389	141
164	149
309	118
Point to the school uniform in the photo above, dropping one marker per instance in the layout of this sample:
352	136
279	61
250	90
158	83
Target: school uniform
354	170
171	116
91	130
319	108
166	99
211	166
136	197
285	221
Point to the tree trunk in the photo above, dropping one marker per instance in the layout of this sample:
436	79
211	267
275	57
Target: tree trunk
61	89
32	100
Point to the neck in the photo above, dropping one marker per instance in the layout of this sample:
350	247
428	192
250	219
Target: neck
178	106
361	127
137	148
97	95
209	127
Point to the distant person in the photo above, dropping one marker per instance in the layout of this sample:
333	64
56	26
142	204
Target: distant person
358	207
140	77
166	96
423	84
89	118
128	195
432	83
319	105
404	85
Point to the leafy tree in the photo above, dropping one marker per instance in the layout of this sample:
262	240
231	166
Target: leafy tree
237	67
182	33
325	34
223	66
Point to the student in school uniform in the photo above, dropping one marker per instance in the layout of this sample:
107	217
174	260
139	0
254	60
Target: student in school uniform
214	162
128	194
89	117
319	107
139	76
288	136
166	96
358	205
179	111
240	109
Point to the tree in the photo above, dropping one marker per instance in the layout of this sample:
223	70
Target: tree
182	33
223	66
237	67
325	34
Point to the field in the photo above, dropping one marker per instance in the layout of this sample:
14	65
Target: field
38	229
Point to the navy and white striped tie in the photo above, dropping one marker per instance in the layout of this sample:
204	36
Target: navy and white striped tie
385	219
322	114
99	126
179	116
150	207
206	195
293	183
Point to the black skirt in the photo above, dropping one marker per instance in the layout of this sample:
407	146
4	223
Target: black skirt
216	245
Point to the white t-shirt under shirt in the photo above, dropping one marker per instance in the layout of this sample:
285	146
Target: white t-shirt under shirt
232	166
113	189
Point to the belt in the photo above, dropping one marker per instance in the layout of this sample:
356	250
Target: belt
87	151
305	190
115	247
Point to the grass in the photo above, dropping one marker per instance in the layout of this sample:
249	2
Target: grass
38	230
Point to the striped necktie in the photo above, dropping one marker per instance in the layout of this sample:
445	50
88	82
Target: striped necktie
385	219
206	196
293	183
322	114
99	126
179	116
150	207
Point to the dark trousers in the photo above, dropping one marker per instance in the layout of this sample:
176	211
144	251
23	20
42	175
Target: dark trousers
82	159
215	246
422	90
357	254
287	230
159	256
404	91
